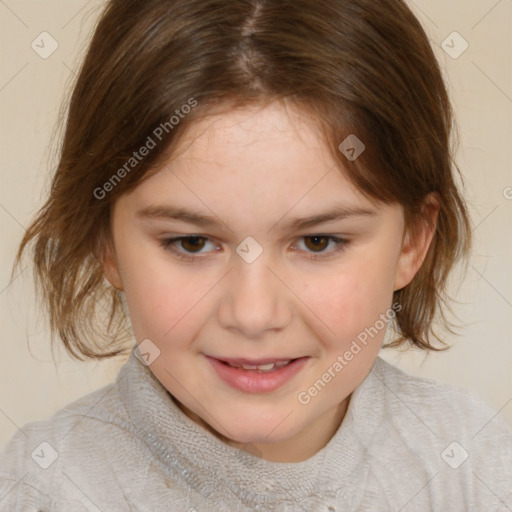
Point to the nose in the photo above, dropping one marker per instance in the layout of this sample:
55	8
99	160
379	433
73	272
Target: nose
254	298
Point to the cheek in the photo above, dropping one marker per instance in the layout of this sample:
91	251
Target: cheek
353	298
162	298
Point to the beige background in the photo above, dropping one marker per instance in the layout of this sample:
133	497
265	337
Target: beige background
31	90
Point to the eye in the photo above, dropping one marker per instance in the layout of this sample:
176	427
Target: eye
318	243
192	244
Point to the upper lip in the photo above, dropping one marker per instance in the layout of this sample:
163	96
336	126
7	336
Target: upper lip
259	361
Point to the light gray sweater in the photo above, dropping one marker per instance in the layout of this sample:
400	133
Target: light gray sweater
405	444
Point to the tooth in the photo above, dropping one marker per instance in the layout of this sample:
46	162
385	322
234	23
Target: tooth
264	367
261	367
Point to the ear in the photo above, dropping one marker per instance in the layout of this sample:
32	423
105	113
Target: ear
416	241
105	252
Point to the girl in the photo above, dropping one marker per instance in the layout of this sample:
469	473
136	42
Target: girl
263	187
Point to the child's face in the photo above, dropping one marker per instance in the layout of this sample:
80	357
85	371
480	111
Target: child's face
253	172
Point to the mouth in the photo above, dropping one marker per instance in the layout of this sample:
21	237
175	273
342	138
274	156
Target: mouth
257	375
260	366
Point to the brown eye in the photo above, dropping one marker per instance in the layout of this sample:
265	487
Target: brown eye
188	248
319	243
193	243
317	246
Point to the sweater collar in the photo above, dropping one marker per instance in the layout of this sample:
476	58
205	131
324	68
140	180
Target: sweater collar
196	456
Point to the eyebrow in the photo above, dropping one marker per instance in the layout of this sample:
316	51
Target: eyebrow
170	212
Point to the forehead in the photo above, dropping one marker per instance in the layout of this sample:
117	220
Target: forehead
256	163
256	147
279	130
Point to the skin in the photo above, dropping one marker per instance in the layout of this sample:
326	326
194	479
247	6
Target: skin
255	169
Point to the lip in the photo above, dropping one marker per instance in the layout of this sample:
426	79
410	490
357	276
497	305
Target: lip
251	381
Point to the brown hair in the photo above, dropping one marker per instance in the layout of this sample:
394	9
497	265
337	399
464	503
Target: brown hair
356	67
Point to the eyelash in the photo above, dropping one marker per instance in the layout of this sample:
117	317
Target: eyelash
167	244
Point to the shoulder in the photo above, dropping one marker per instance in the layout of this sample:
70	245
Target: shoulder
440	439
442	406
38	461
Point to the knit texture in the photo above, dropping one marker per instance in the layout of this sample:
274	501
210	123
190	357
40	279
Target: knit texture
406	444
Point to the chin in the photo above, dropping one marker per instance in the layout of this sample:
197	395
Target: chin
255	429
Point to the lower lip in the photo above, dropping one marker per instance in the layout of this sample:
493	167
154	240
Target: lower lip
251	381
